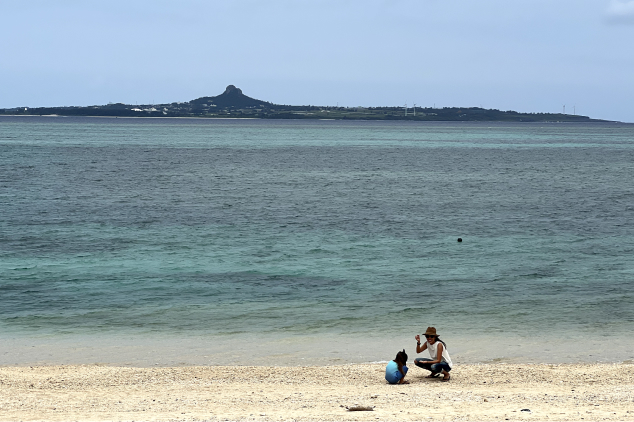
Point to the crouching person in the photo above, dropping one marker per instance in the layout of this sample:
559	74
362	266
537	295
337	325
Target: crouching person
395	370
440	362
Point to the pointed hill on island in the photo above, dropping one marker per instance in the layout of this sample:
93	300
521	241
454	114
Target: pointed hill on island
233	98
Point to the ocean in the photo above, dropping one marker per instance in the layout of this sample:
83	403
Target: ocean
207	242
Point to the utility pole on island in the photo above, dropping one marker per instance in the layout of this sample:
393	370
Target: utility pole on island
564	108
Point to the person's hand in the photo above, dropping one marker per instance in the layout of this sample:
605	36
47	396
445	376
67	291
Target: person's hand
417	337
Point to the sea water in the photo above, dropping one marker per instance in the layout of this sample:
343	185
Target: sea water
198	241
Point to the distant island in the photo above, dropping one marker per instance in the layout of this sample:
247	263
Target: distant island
234	104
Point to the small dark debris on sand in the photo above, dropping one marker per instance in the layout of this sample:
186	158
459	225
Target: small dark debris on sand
360	408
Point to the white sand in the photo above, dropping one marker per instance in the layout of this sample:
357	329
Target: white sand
475	392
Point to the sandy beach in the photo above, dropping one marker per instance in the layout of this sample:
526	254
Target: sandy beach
218	393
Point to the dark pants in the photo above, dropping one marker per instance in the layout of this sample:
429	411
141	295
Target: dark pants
436	368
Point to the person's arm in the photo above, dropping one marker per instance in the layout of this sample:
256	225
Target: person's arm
438	355
402	380
420	348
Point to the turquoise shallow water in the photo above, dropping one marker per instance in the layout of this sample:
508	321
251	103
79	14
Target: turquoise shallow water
192	241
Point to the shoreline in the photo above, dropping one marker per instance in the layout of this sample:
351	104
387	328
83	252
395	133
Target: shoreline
308	393
324	349
147	117
320	119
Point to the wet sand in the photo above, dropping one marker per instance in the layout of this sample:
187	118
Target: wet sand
579	392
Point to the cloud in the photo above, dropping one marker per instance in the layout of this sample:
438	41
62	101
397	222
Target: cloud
621	12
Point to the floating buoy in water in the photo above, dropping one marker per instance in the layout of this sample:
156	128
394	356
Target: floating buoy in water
460	239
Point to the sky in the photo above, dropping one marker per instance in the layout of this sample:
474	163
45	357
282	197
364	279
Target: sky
523	55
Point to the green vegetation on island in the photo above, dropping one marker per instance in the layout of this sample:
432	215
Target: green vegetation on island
234	104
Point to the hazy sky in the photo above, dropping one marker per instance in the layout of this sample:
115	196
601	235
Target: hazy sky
524	55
